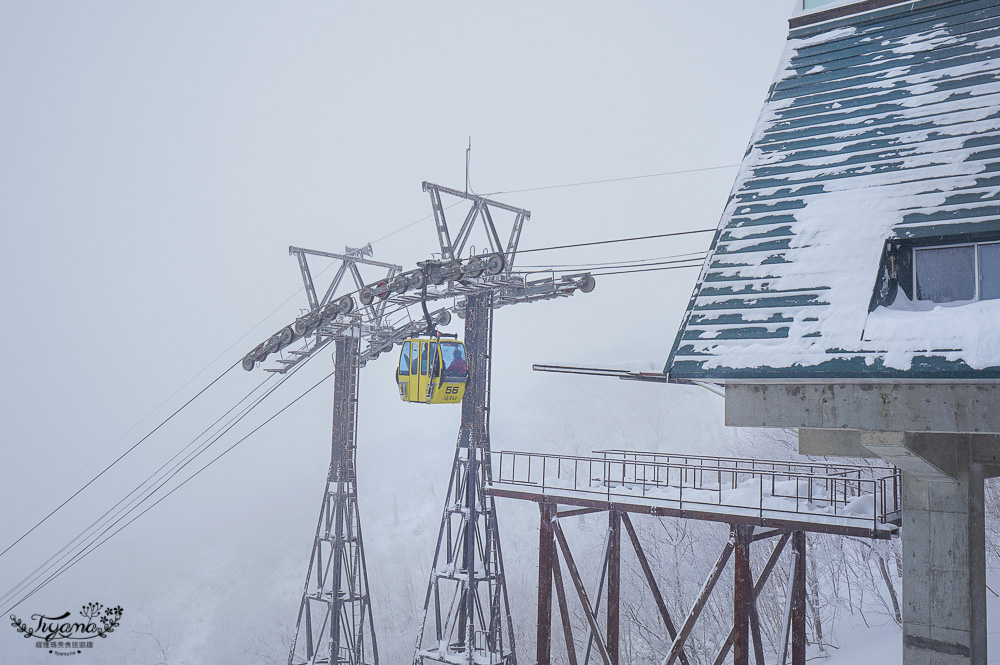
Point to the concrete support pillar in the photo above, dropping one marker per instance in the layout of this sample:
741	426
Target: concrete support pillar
944	566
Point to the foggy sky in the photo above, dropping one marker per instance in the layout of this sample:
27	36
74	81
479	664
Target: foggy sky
157	160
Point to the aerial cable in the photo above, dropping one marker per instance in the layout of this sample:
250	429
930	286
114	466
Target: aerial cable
625	272
403	228
607	242
98	522
149	491
261	322
120	457
598	182
612	266
83	553
571	184
691	255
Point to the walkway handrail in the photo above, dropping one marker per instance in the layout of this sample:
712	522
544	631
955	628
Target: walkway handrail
841	491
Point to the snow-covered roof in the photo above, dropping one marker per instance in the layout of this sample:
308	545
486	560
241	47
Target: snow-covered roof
878	127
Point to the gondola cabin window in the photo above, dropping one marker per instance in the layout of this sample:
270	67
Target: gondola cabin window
957	273
404	359
453	358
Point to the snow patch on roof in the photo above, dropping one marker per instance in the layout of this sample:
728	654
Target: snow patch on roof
847	153
968	331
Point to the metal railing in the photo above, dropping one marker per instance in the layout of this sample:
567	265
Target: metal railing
806	491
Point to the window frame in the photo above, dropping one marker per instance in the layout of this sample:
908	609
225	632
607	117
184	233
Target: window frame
405	353
975	264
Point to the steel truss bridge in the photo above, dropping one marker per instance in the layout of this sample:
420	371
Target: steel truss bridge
760	500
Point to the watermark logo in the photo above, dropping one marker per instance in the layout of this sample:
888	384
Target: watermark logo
65	636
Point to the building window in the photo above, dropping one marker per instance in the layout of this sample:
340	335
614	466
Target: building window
812	4
957	272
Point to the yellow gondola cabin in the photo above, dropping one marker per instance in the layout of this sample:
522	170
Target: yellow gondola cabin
432	371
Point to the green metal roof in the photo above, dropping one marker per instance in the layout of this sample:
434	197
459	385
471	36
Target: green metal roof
880	126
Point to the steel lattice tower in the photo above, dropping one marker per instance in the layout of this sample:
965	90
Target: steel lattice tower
335	622
466	611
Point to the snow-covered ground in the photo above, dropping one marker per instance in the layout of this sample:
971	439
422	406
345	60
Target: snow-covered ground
883	643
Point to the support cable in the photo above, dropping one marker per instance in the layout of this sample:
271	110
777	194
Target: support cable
83	553
607	242
601	182
688	255
626	272
47	564
118	459
564	185
244	336
29	579
637	264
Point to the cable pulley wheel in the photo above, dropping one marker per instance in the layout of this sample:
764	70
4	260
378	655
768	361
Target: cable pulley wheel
366	296
474	267
453	270
330	310
248	363
417	279
495	264
436	275
587	284
345	305
398	284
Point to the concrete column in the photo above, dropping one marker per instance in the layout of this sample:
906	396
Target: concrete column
944	566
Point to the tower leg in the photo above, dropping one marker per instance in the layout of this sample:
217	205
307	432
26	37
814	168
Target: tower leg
335	622
466	612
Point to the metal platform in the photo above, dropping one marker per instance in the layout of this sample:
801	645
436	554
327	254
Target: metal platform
844	499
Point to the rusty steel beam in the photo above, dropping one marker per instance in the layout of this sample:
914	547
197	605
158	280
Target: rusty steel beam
764	535
664	511
699	603
579	511
798	617
574	574
598	592
564	612
614	584
546	550
761	581
742	593
651	581
758	645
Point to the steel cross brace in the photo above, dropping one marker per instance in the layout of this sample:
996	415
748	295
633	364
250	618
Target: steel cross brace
481	206
466	610
335	623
